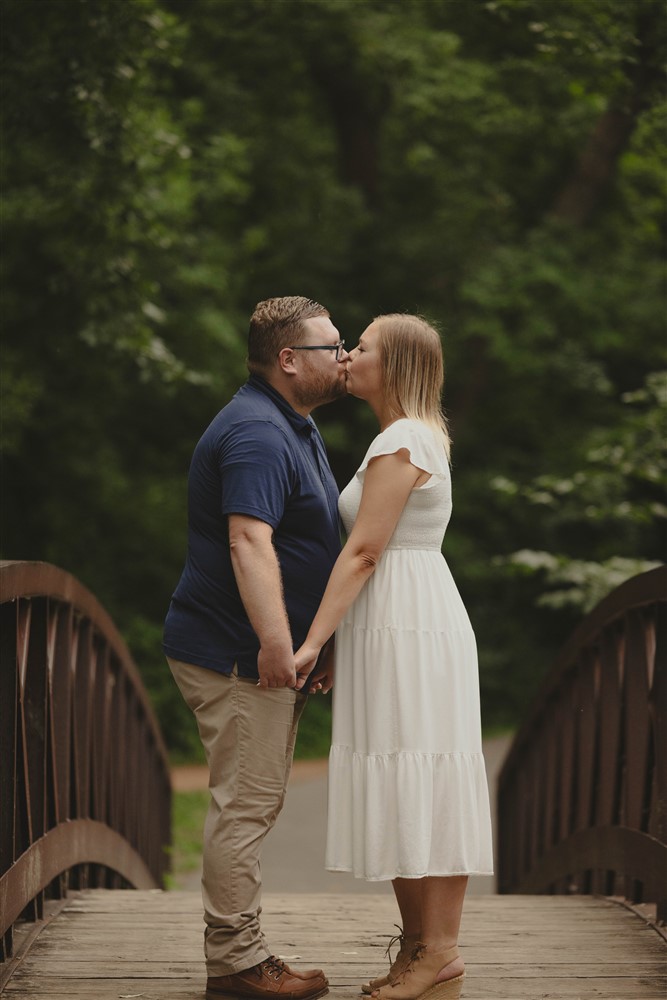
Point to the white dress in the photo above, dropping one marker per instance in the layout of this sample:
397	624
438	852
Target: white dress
407	785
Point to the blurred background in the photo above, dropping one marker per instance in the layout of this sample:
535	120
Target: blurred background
498	167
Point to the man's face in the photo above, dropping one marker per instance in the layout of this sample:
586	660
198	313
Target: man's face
321	378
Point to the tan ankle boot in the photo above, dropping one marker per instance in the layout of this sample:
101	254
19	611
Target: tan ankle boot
398	965
418	981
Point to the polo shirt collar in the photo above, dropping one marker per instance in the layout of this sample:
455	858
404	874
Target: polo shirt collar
304	425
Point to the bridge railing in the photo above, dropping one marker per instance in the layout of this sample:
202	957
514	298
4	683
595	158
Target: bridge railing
85	790
582	796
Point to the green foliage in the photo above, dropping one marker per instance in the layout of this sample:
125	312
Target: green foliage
188	812
144	637
613	510
582	584
621	486
314	737
497	166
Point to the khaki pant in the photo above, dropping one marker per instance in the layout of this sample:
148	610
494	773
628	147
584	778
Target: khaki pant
248	734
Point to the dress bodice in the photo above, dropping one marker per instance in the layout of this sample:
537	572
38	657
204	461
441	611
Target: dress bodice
426	515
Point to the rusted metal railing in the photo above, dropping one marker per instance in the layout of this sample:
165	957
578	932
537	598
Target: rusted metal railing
582	796
84	778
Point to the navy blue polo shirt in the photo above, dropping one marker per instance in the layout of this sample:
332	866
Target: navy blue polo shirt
258	457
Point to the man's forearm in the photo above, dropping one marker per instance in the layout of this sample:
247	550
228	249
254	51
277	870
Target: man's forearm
259	580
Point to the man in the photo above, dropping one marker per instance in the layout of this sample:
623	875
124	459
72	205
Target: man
262	539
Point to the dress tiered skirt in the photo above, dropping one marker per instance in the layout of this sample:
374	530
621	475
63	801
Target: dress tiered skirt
408	794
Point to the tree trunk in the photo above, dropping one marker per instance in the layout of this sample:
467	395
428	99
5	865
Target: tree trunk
594	173
357	116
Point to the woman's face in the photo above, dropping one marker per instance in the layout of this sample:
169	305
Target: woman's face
363	366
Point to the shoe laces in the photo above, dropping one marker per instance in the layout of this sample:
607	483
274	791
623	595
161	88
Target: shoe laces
273	967
397	939
416	954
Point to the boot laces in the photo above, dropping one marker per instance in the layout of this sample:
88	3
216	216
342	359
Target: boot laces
415	956
397	939
274	967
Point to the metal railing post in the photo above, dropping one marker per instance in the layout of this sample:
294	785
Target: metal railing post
593	818
84	776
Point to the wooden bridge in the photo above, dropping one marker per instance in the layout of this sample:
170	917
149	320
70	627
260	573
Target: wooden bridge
104	944
582	823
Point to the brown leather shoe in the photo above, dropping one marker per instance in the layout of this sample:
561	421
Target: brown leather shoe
300	973
270	980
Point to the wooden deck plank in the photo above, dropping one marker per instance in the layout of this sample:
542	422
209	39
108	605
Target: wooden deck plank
108	945
504	989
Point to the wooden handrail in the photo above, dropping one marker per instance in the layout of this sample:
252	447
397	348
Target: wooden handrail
85	792
582	796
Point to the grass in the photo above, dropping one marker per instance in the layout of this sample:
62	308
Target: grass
188	812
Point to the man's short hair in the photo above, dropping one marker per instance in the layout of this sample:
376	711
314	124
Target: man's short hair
278	323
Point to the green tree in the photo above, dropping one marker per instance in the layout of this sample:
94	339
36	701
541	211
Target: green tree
497	166
608	520
95	182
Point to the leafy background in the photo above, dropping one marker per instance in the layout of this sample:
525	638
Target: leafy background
496	166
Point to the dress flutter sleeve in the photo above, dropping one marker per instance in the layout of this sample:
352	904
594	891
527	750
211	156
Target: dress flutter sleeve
426	451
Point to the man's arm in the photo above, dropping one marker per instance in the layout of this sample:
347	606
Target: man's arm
258	578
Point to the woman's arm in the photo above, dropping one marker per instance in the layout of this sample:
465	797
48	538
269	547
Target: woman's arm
388	482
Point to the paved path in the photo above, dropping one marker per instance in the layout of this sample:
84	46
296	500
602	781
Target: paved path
293	854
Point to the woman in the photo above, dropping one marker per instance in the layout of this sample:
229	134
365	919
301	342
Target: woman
407	786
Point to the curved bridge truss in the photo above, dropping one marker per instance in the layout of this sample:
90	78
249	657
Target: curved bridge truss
85	792
582	797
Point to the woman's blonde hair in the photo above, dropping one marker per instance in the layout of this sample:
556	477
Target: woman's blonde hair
413	371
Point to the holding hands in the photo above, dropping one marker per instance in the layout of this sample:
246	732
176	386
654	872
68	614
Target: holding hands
309	657
294	669
275	667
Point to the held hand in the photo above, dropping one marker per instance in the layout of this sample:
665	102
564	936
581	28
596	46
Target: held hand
276	668
321	680
323	677
305	659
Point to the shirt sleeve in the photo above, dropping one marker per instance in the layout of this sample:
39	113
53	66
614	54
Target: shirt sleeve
426	452
258	471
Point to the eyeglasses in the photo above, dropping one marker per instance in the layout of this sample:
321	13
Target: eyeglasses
323	347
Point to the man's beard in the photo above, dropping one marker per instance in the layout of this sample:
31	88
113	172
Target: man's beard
319	389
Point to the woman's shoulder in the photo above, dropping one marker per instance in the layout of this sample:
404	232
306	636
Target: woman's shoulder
409	429
420	440
408	423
